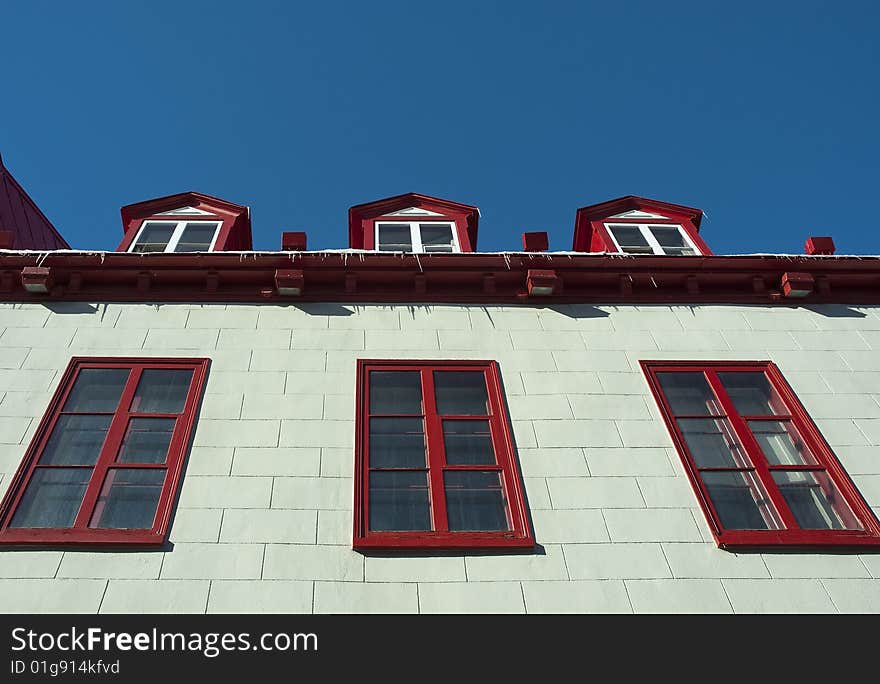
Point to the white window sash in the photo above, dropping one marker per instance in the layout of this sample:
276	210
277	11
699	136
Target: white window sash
645	230
415	234
177	233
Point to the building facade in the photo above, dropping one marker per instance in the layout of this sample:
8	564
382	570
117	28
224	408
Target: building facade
410	425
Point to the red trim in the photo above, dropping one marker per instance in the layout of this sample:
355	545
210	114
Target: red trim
519	536
465	278
792	535
80	532
362	218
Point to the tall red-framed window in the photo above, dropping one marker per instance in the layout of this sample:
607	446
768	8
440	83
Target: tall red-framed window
435	466
762	471
105	463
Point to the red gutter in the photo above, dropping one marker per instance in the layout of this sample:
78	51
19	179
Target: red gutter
474	277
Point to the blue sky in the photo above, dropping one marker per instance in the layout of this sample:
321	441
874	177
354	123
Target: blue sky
763	114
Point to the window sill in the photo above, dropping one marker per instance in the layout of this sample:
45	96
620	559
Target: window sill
806	539
53	537
447	540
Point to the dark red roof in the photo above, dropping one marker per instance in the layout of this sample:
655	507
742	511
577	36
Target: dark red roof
182	199
20	215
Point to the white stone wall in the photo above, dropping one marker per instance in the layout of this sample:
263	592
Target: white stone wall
264	518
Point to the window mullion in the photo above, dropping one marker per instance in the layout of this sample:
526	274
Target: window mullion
175	236
756	456
415	236
649	236
111	446
435	452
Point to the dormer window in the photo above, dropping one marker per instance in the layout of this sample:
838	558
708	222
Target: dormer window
637	225
176	236
416	236
644	238
414	224
188	222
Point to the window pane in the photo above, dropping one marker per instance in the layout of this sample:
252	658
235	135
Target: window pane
475	501
52	498
399	501
689	394
752	393
161	390
129	498
196	237
436	238
671	240
631	240
397	443
468	442
154	237
395	237
815	501
76	440
396	392
712	443
461	393
781	443
146	440
96	390
740	501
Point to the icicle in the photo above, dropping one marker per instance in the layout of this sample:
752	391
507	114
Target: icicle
418	261
42	258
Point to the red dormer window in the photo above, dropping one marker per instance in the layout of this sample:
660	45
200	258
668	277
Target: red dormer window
635	225
413	223
189	222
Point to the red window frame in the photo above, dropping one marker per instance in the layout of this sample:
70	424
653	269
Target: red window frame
791	534
519	536
80	532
